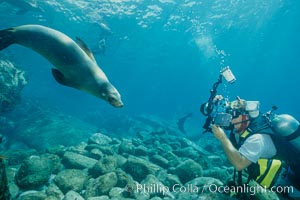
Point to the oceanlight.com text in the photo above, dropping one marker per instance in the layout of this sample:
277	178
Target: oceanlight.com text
210	188
252	190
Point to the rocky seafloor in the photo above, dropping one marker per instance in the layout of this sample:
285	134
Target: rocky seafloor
151	161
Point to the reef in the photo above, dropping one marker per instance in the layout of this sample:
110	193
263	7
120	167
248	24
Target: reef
12	81
155	162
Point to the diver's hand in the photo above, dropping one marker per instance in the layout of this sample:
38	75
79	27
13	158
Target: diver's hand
218	132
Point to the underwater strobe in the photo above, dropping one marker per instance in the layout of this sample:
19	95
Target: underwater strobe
288	127
228	75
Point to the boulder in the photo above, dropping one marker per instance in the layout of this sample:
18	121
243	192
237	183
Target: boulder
159	160
71	195
77	161
34	172
188	170
71	179
32	194
100	139
139	168
103	166
54	191
12	82
101	185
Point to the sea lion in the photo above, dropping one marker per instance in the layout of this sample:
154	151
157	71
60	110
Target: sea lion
181	122
75	65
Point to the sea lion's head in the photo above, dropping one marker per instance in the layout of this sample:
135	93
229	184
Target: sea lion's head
110	94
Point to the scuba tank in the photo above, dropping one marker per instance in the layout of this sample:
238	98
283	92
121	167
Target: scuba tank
286	126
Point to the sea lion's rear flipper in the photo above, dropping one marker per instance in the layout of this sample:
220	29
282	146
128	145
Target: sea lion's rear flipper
85	48
59	77
6	38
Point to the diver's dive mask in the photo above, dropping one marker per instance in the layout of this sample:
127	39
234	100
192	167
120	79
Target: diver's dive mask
252	108
234	110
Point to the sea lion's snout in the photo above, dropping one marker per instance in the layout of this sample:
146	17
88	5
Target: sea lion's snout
118	105
115	101
111	95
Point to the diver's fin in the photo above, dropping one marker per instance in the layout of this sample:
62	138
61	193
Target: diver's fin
59	77
6	38
85	48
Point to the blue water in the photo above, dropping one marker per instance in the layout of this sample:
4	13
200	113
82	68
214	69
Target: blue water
163	56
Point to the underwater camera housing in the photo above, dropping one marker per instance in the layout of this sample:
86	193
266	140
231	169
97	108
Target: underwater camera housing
223	119
219	114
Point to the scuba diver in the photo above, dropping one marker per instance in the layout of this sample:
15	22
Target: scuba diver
267	145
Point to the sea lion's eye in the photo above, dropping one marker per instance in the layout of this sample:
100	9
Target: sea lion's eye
111	99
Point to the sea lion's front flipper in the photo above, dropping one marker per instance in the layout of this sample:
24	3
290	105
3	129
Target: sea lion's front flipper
85	48
59	77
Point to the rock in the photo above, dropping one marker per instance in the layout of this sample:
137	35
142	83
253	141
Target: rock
174	161
187	143
16	156
153	187
100	139
32	194
116	192
126	146
54	191
141	151
13	190
77	161
34	172
52	198
71	179
12	82
189	196
57	150
159	160
188	170
11	173
139	168
145	136
96	154
79	149
109	150
175	145
218	173
164	148
71	195
53	127
204	181
187	152
171	180
103	166
121	160
101	185
103	197
215	160
55	163
124	179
